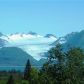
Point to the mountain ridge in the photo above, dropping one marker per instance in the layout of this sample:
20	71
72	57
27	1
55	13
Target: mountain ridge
74	39
41	44
29	42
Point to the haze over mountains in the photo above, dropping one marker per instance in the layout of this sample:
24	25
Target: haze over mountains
33	43
15	49
37	45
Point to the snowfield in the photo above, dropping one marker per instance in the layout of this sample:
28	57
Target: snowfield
34	44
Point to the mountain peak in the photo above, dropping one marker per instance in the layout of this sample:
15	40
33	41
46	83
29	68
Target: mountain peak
32	33
50	35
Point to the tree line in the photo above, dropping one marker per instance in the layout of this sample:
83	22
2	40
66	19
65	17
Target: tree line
62	67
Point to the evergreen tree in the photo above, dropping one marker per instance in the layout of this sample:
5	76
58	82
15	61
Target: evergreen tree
27	71
10	80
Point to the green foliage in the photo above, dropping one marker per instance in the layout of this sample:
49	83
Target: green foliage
61	68
52	70
10	80
27	71
34	76
31	74
24	82
64	68
75	65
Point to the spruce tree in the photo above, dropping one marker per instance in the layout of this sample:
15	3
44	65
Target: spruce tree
10	80
27	71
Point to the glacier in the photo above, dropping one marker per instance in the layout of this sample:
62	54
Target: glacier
34	44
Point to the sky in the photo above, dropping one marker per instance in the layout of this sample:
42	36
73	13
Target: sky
58	17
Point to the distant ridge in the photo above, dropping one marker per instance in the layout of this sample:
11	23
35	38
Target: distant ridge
31	42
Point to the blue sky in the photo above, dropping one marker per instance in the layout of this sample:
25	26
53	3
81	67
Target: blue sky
58	17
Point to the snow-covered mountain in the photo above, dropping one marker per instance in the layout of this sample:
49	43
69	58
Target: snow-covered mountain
37	45
74	39
33	43
60	40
